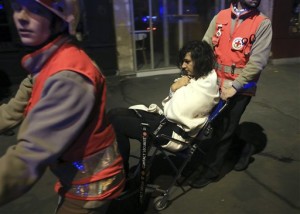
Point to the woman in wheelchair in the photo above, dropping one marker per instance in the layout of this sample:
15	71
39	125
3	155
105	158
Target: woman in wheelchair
185	110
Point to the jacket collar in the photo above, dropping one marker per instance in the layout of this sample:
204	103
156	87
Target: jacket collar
34	61
243	15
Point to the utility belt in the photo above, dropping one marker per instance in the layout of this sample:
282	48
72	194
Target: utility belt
166	124
229	69
167	129
227	74
175	140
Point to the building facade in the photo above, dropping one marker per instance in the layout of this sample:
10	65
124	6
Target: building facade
128	37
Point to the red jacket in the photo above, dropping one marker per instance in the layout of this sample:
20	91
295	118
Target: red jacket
232	45
92	162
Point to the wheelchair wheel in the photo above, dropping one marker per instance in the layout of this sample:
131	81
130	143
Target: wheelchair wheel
160	203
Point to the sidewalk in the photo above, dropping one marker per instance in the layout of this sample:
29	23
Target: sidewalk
271	184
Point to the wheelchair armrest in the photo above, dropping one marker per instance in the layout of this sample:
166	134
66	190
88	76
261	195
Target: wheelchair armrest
171	139
218	109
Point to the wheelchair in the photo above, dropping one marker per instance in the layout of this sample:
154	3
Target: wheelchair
149	149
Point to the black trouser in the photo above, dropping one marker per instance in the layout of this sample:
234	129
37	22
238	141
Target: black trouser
127	125
225	126
73	206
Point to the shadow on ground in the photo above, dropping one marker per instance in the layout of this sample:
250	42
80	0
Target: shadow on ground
162	174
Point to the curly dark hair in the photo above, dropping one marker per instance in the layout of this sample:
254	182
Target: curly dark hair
202	56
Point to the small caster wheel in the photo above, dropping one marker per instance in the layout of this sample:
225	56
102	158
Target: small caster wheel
160	203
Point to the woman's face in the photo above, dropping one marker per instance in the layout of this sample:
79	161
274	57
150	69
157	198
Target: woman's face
33	22
188	64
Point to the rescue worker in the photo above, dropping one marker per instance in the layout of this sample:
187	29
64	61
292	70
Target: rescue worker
241	37
65	126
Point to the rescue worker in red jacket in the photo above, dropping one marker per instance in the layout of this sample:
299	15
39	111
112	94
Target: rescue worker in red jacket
241	37
65	126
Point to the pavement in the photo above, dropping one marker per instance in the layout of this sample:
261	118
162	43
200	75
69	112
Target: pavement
271	183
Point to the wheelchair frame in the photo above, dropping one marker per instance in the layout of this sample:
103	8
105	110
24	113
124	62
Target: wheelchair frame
161	202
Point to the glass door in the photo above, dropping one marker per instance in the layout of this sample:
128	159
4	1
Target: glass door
161	27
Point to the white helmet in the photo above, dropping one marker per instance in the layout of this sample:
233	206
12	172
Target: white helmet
68	10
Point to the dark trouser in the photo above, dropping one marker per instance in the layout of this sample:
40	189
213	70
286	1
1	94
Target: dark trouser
72	206
225	126
127	125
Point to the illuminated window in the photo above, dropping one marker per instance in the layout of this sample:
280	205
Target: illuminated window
294	27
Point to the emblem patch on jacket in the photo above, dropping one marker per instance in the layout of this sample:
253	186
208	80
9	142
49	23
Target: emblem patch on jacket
237	43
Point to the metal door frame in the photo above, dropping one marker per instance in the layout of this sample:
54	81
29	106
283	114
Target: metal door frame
150	32
219	4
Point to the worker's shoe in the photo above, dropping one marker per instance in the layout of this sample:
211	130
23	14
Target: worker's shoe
245	157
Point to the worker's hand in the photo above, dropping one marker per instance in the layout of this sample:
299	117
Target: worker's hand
182	81
227	93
